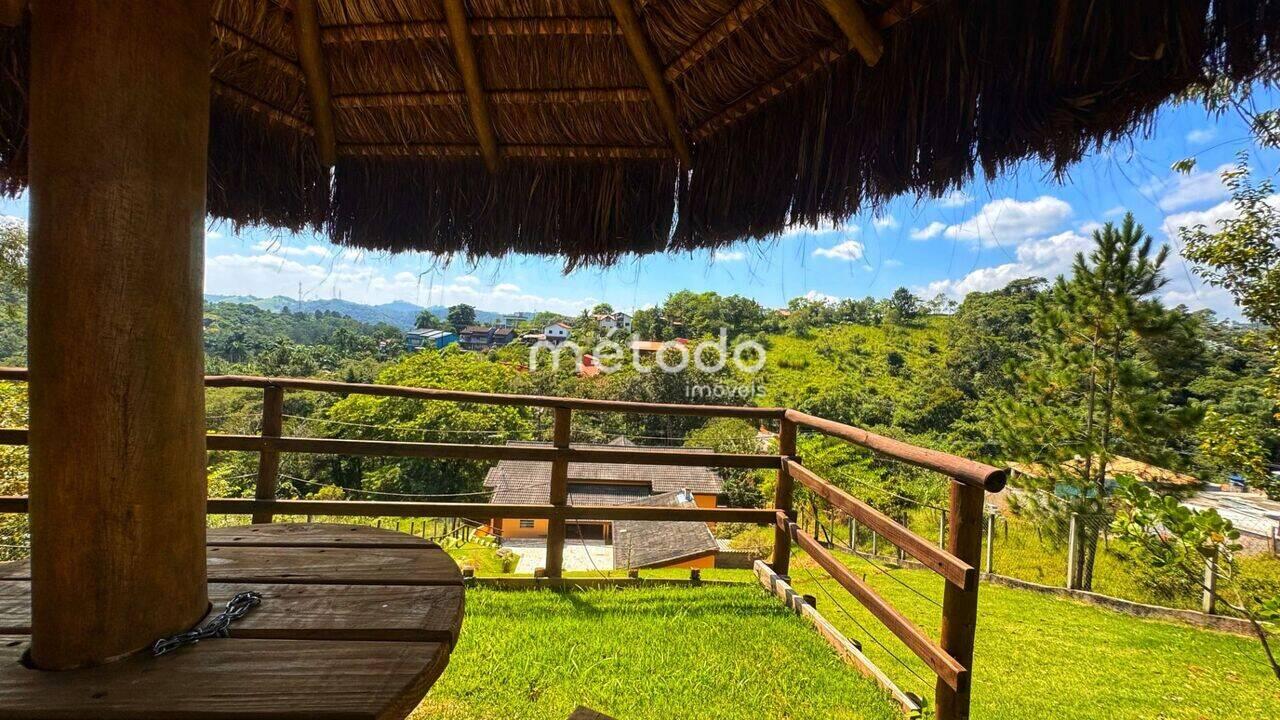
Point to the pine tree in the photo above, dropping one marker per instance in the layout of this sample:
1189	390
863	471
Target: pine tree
1088	392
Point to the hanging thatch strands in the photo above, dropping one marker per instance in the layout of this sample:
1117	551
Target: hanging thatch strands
732	21
477	103
484	27
784	122
306	25
557	152
647	61
763	95
853	22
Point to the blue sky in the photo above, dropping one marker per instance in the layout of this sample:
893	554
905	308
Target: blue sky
979	238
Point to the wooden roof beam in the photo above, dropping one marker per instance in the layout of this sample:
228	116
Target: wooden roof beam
863	36
306	27
647	60
465	52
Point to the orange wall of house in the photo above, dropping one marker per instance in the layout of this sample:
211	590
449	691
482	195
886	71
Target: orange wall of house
699	563
704	500
511	529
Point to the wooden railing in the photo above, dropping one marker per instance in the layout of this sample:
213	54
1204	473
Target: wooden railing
950	658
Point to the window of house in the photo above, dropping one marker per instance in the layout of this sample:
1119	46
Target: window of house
526	524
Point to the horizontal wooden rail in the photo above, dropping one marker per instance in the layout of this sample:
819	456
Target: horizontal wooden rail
943	665
394	448
12	504
495	398
969	472
956	571
18	374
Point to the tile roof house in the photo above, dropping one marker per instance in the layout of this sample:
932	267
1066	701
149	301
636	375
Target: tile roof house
650	544
476	337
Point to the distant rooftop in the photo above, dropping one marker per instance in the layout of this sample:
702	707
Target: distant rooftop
641	543
528	482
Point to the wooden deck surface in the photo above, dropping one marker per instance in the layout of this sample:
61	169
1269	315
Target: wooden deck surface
355	622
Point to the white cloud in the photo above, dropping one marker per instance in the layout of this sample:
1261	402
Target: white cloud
274	274
1181	190
728	256
272	247
891	263
815	296
932	230
212	235
1008	222
955	198
1202	135
1224	210
849	250
1049	257
888	222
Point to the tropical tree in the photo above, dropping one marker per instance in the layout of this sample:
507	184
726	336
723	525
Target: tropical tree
461	316
1088	392
427	320
731	435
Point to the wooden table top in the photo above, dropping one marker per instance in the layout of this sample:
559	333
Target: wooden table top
355	622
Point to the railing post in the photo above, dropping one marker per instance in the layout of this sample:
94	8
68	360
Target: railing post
1073	547
782	497
269	460
991	543
1209	600
559	493
960	606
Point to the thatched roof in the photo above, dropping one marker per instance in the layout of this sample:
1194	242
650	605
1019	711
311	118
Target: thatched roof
756	114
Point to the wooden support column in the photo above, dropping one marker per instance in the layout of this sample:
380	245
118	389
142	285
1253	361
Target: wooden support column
559	493
647	61
782	497
269	459
863	36
306	27
960	607
119	123
477	102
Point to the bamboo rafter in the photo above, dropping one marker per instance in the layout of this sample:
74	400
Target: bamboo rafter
306	24
863	37
647	61
237	41
484	27
249	102
721	31
469	67
497	97
759	97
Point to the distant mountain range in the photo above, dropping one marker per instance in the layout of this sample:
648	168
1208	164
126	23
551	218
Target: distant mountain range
399	313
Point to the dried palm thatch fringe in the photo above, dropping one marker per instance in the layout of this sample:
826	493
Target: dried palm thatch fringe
14	78
963	85
589	211
976	83
262	172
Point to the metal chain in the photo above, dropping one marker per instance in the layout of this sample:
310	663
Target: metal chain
218	626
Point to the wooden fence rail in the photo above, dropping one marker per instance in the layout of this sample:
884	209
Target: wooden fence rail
950	659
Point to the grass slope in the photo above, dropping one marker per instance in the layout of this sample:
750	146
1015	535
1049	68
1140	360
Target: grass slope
664	652
1040	657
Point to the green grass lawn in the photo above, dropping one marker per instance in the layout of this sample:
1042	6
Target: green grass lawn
718	651
645	654
1039	656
